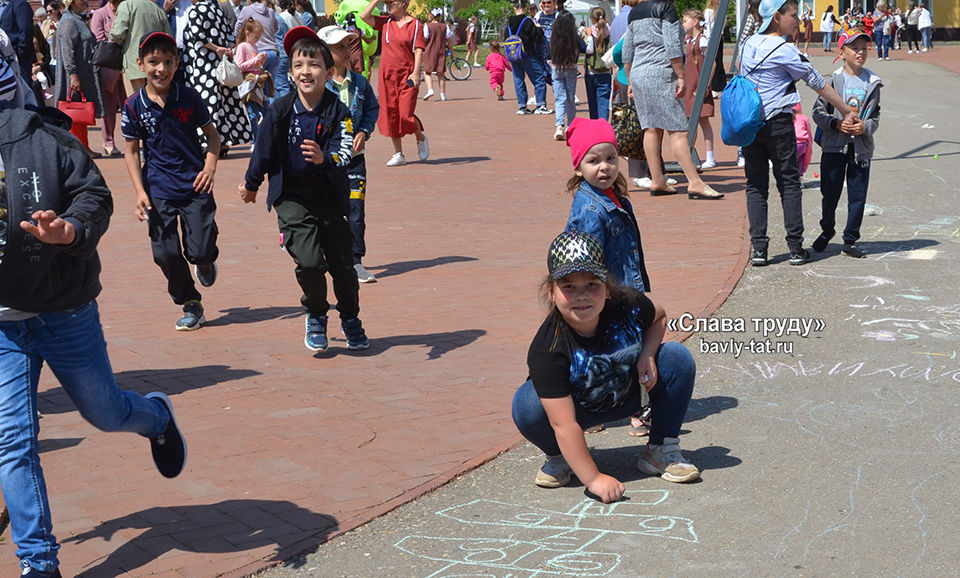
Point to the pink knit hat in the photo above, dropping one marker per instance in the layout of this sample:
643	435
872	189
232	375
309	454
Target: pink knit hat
583	133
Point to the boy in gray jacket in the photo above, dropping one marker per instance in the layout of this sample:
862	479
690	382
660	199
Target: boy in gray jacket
847	145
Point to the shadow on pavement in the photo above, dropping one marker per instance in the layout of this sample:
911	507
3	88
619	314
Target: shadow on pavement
700	408
224	527
52	445
242	315
455	160
170	381
401	267
439	343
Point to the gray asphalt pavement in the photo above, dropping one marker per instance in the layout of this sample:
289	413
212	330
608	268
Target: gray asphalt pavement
835	455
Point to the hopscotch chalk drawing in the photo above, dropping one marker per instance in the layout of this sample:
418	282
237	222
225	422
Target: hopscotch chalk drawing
544	542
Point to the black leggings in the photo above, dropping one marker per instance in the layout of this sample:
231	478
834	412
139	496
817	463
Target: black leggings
913	38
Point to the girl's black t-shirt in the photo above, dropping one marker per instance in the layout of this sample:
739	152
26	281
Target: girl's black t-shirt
599	371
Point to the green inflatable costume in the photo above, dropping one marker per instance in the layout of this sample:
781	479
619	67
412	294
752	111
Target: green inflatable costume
355	7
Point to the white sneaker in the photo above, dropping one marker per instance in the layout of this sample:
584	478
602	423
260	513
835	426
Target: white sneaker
708	165
576	99
643	183
443	97
477	65
542	109
924	50
667	462
428	95
423	148
396	160
532	101
910	51
671	182
560	133
741	161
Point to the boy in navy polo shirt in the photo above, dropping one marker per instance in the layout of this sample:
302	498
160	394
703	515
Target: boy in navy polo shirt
175	183
305	144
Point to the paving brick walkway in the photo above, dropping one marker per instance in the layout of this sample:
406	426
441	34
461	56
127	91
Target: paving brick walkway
288	448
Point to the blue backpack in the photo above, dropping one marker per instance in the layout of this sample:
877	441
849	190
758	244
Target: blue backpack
512	44
741	110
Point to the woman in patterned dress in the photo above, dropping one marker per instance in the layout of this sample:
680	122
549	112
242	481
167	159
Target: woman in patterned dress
75	73
402	46
207	38
653	60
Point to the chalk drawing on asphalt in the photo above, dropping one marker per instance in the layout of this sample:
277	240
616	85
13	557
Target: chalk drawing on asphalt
542	542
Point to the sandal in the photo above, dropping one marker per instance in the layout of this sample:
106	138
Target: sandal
595	429
708	193
638	427
659	192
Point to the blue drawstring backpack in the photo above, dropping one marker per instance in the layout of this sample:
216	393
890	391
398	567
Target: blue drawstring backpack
741	110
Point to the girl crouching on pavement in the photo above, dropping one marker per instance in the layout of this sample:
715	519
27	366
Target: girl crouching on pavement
599	357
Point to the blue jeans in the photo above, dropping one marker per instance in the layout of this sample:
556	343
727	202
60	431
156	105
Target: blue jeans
72	343
927	34
598	94
278	67
530	66
827	41
254	113
883	43
834	167
564	92
669	399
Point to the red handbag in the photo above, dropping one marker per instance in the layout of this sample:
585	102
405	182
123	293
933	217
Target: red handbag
81	113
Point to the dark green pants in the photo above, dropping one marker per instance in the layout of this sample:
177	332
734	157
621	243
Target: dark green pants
319	240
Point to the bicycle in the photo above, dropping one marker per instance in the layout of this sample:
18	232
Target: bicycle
459	68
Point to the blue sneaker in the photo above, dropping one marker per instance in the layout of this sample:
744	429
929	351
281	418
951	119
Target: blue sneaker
192	316
356	337
316	336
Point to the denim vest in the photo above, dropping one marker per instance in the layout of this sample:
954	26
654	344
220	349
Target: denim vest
594	213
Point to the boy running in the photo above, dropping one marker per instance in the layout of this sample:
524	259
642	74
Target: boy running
305	143
175	183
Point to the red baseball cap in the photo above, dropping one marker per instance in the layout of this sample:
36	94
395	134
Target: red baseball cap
296	33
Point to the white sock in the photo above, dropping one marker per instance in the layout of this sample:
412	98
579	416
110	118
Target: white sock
710	157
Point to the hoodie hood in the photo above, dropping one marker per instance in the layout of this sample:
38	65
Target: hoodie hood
17	126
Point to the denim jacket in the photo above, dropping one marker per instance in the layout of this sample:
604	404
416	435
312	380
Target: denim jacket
364	106
593	212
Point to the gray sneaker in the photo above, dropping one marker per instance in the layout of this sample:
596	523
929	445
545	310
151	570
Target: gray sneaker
363	275
542	109
667	462
555	473
192	316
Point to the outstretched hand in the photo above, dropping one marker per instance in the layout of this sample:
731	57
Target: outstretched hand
50	228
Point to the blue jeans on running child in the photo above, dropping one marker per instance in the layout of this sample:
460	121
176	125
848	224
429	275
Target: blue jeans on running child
598	94
669	399
834	168
564	94
530	66
72	344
